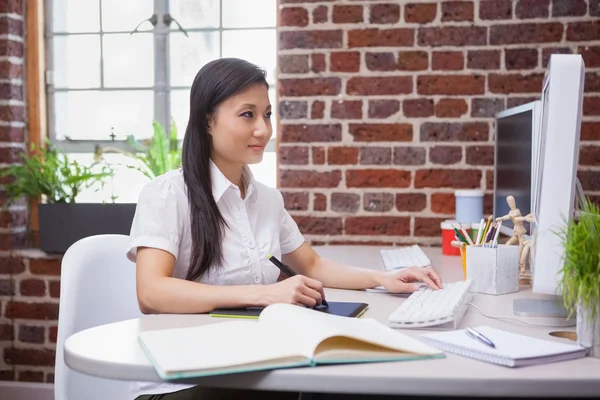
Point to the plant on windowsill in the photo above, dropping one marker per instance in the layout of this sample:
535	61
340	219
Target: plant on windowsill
49	175
580	284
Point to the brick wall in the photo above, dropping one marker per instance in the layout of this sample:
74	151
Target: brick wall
387	106
29	279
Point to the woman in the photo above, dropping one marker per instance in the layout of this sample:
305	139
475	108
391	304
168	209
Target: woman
200	236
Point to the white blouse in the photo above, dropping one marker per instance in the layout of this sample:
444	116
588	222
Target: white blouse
256	226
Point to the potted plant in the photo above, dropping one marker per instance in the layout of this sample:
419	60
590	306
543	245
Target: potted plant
580	283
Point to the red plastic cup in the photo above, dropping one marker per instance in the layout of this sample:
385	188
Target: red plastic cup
448	235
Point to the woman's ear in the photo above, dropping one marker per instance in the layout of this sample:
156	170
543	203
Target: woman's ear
210	123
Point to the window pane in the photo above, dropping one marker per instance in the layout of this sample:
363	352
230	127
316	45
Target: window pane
189	54
76	61
91	114
76	15
128	60
249	13
180	109
257	46
126	183
194	13
119	15
266	170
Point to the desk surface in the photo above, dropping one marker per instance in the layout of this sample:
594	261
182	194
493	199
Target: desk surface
112	351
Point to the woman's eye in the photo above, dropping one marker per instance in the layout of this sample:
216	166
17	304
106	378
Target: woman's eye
268	115
248	114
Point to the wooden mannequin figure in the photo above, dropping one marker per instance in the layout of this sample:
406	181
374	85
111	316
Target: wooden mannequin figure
519	233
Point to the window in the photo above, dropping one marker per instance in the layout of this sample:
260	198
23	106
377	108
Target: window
115	66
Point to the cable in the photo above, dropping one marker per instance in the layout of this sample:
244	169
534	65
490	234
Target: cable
511	318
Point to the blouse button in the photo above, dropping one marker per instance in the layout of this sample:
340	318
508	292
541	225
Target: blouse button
256	279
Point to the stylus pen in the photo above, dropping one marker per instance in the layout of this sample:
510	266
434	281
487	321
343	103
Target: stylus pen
288	271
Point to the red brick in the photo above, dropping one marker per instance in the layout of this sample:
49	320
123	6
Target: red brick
378	202
293	16
393	226
451	84
310	87
29	356
11	7
451	108
521	58
12	134
311	133
293	64
54	289
381	61
445	155
11	241
13	218
289	109
11	265
317	62
409	155
532	9
8	70
45	266
595	12
428	227
317	110
571	8
22	310
515	83
589	131
319	202
373	86
292	155
495	9
589	155
315	39
384	13
443	203
30	376
591	56
483	59
420	13
480	155
318	155
345	202
411	201
7	375
489	180
381	132
52	334
33	287
12	155
447	60
526	33
320	14
8	91
453	36
591	105
349	109
590	180
582	31
592	81
342	156
319	225
415	108
454	132
546	53
375	156
457	11
6	332
451	178
413	60
378	178
375	37
11	48
309	179
12	113
383	108
347	14
486	107
345	61
32	334
7	287
517	101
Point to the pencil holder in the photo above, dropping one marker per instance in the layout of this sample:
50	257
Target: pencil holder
493	270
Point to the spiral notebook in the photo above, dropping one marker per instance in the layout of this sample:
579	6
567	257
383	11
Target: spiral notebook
512	350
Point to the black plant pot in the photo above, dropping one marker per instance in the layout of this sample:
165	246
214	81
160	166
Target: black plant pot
61	225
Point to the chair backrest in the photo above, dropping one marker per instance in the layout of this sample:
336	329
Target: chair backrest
97	287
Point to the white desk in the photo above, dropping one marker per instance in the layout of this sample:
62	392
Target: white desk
112	351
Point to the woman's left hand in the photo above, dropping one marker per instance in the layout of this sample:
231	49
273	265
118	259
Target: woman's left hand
403	281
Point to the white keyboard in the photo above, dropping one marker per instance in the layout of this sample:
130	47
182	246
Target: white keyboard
403	257
442	309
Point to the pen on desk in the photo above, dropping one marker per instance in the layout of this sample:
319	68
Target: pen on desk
287	270
477	335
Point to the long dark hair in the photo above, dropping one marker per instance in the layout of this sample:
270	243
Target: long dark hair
214	83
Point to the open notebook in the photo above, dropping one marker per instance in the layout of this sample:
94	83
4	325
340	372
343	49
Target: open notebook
512	350
284	336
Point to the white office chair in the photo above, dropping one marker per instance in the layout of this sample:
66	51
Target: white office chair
97	287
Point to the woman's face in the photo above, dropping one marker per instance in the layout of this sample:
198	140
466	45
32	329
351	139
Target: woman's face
241	126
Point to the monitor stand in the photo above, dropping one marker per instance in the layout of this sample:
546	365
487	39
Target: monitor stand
544	312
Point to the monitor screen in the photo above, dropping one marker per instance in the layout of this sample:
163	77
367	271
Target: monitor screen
514	133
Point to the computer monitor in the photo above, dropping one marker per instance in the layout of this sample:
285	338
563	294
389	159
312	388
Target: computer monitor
517	129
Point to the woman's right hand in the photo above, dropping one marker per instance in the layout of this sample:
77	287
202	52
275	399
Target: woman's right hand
298	289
